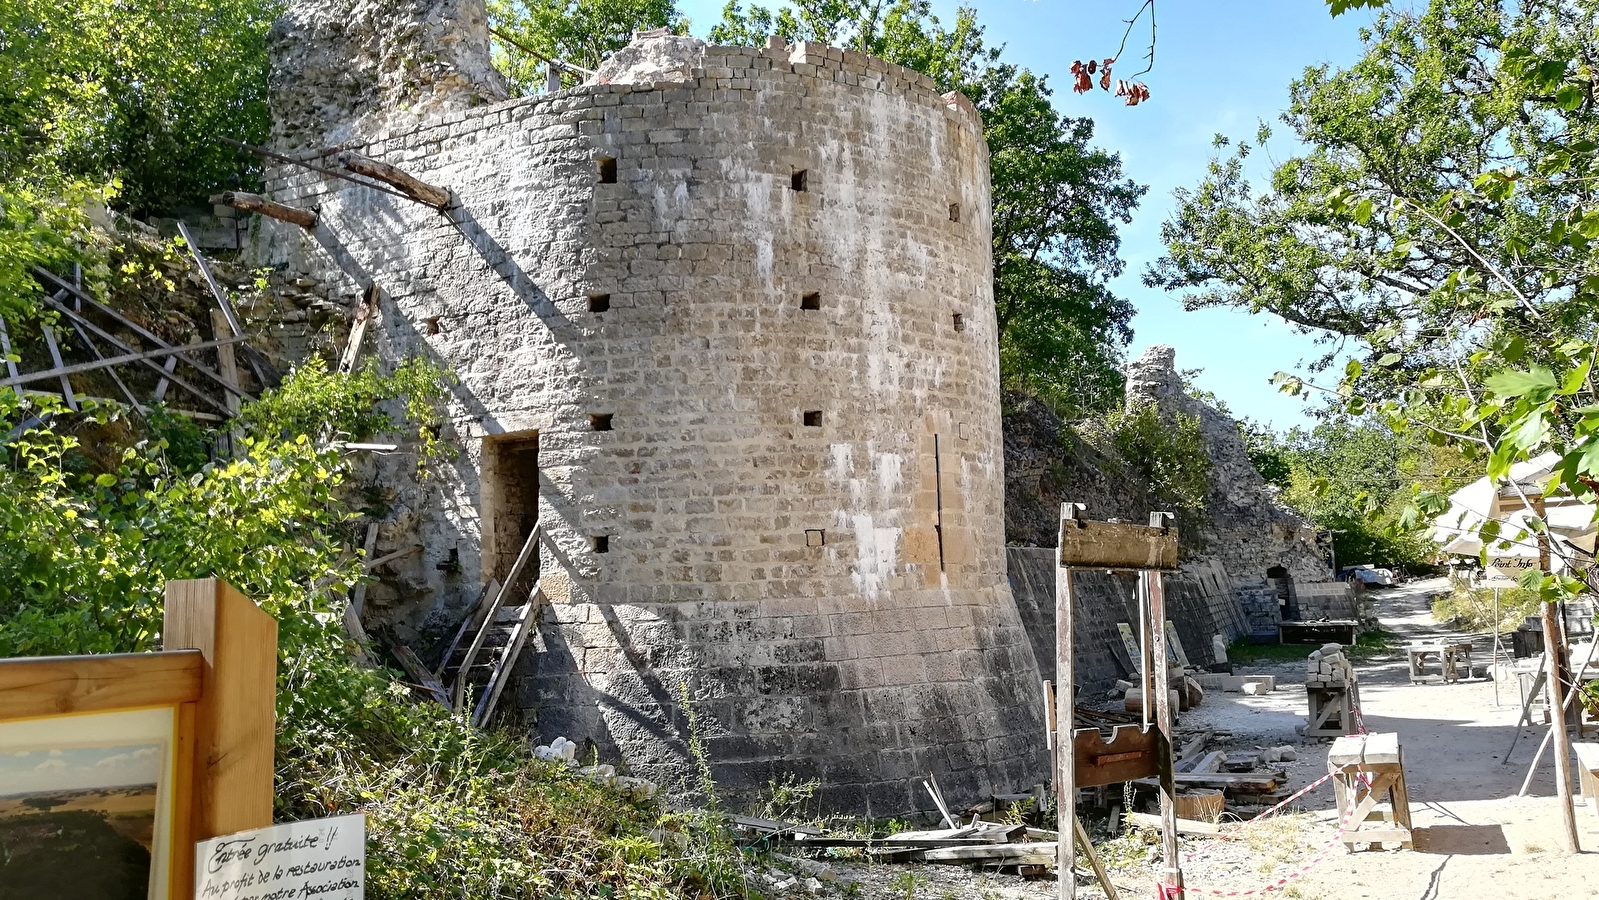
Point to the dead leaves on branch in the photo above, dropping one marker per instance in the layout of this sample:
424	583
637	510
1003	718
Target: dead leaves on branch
1135	92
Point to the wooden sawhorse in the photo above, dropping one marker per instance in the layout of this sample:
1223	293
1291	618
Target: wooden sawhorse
1451	657
1376	759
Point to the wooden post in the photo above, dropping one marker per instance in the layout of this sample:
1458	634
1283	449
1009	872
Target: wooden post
256	203
1155	589
1065	772
234	727
1555	653
227	365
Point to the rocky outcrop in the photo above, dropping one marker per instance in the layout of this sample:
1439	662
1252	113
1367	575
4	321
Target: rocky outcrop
343	69
652	56
1244	525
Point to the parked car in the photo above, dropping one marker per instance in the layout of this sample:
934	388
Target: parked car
1367	574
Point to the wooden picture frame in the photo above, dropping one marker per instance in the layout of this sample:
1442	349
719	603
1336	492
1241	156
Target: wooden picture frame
217	675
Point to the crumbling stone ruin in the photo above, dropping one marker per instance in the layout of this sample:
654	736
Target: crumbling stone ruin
1239	574
721	321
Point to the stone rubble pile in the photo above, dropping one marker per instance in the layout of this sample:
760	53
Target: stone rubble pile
564	751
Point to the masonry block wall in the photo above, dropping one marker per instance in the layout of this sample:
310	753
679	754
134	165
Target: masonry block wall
755	346
1199	603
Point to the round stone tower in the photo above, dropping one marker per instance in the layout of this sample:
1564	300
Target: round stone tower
722	321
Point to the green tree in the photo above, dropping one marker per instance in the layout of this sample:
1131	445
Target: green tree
1057	201
133	93
581	32
1439	222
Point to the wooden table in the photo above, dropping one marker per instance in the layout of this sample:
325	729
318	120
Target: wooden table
1370	769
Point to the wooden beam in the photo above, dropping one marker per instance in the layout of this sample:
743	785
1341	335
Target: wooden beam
257	364
363	314
5	349
235	720
1086	544
272	209
133	326
417	190
31	687
1155	588
61	366
107	361
1066	769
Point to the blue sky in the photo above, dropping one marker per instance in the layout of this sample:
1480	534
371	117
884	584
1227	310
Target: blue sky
1220	66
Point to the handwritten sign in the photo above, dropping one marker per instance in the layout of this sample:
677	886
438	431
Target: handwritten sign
318	859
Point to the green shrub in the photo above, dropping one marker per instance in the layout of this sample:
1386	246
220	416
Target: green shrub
1473	607
88	540
1167	453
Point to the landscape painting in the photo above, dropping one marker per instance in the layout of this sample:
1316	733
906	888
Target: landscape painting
79	822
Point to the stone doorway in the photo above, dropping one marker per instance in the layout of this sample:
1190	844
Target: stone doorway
510	504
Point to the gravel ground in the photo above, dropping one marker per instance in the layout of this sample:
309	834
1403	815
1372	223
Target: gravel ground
1474	839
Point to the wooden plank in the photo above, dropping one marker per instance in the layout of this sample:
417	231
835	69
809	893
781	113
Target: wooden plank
257	363
416	189
181	877
34	687
1247	782
1184	826
1081	834
167	368
5	349
387	558
256	203
1087	544
363	315
1065	856
414	669
63	371
235	727
1130	753
1042	852
1155	588
358	595
60	369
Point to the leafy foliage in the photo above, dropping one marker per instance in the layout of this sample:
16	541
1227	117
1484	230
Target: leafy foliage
104	92
1441	217
582	32
1056	200
326	404
1166	453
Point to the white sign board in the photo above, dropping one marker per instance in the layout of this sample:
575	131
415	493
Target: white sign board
318	859
1503	571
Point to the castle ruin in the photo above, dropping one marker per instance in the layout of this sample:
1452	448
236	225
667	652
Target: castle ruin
721	322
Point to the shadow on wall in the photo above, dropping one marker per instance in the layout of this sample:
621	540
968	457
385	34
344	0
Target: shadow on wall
1199	602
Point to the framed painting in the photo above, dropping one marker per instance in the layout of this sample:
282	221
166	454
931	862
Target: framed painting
86	805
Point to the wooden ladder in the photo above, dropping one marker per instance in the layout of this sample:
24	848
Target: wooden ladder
480	669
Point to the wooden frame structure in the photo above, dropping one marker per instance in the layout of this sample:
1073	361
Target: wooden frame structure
1369	769
218	674
1132	752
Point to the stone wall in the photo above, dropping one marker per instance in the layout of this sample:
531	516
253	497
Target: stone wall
1244	526
743	318
1200	602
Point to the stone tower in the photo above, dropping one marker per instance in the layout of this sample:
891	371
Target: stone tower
722	321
